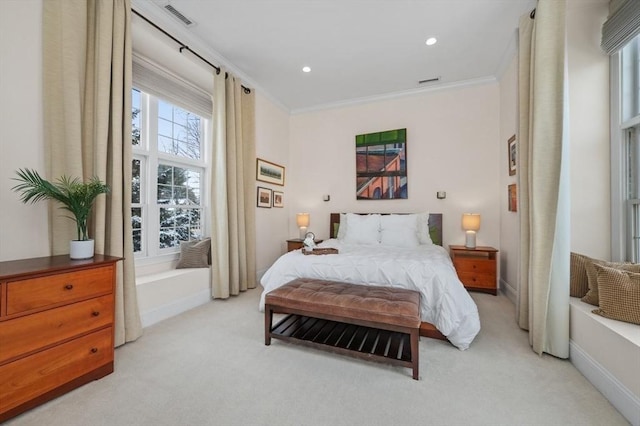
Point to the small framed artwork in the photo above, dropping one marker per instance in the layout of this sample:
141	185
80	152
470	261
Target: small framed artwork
278	199
513	198
513	155
269	172
264	197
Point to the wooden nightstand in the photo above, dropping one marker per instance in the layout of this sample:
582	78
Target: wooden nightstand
296	243
476	267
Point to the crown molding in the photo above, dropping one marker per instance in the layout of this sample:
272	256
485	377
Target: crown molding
397	95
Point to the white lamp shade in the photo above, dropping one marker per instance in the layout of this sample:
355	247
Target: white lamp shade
302	219
471	221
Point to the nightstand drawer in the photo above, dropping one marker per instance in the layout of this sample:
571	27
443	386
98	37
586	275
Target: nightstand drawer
474	265
472	279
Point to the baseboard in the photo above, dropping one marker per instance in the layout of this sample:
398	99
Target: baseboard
508	291
175	308
618	395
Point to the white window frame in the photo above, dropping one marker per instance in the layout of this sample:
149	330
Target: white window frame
623	246
150	157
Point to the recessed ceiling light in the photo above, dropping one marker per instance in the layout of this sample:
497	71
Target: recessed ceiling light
306	69
431	41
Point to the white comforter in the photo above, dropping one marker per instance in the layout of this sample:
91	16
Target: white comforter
428	269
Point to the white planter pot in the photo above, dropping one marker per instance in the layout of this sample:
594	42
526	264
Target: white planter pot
81	249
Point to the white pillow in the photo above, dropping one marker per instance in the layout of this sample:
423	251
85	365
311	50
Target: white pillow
423	228
362	229
342	229
399	230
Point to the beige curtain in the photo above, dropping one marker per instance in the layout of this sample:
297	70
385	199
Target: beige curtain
543	291
233	189
87	129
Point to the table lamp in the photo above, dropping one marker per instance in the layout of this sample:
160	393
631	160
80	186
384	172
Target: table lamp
470	223
302	220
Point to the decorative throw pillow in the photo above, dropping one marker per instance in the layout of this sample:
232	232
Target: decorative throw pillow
619	293
423	228
342	227
362	229
399	230
578	281
194	254
592	276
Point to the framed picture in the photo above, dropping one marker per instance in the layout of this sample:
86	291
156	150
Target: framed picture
513	198
269	172
264	197
381	165
513	155
278	199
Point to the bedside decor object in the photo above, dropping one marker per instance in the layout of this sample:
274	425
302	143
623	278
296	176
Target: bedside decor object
512	155
264	197
302	220
269	172
75	196
309	241
471	224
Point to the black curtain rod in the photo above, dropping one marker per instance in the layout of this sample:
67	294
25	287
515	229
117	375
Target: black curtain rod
185	47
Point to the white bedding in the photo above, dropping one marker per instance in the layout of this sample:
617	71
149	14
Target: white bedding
428	269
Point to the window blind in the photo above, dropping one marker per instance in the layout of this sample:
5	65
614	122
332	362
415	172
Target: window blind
153	79
622	26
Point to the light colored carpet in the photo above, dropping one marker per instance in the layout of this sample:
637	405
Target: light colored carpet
210	366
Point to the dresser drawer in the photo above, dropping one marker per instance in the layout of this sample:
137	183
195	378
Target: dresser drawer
39	292
35	375
474	265
30	333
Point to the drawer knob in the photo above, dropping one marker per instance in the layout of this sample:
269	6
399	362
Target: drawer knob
95	313
474	266
68	287
94	350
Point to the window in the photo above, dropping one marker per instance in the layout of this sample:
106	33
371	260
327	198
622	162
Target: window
168	179
627	137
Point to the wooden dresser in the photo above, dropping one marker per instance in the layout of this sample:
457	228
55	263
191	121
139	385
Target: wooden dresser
56	327
476	267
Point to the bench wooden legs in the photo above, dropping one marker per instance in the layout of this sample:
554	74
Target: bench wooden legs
268	320
415	361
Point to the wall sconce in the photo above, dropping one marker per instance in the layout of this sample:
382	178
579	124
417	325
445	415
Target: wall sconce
302	220
470	223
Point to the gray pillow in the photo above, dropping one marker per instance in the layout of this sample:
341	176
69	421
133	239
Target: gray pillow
619	294
194	254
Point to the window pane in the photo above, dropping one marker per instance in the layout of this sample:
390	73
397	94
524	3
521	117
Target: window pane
630	80
135	117
137	240
135	182
179	131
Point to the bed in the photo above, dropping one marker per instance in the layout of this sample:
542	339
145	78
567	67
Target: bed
378	249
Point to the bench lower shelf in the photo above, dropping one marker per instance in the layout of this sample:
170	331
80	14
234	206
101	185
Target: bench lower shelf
373	344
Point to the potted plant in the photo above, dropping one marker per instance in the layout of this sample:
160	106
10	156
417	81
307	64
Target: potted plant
76	196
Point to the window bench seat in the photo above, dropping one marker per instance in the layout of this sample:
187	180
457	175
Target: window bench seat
164	294
607	353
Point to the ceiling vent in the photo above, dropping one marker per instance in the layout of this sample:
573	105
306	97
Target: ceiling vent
178	15
429	80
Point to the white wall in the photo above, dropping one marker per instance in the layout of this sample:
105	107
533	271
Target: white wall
23	228
272	144
509	221
452	145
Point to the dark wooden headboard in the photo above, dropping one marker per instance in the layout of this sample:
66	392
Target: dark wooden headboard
435	226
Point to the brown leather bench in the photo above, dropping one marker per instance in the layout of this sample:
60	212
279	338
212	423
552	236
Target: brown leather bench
369	322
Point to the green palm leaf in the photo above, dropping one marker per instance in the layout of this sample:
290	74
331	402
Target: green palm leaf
75	196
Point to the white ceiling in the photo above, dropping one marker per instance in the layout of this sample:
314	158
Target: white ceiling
357	49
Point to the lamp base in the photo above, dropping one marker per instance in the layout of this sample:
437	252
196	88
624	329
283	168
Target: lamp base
470	241
303	232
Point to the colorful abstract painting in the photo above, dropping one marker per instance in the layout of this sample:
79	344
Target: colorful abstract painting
381	165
